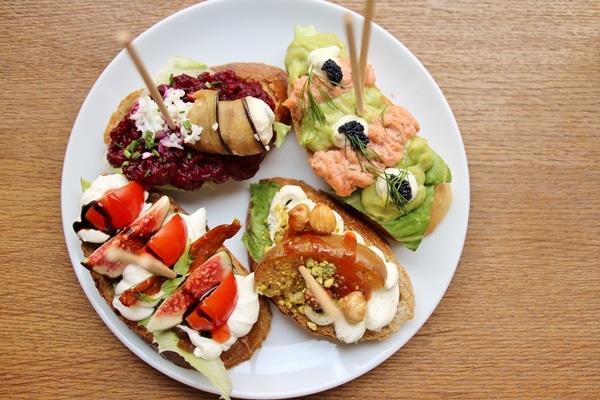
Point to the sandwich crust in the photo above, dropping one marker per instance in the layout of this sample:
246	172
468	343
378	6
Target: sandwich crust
273	80
406	304
240	351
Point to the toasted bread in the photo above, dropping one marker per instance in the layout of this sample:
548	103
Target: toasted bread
240	351
347	168
406	305
224	134
273	80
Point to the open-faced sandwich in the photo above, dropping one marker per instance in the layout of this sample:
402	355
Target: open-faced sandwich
292	228
375	162
171	279
224	120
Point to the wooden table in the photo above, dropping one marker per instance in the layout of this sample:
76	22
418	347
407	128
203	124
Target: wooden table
521	317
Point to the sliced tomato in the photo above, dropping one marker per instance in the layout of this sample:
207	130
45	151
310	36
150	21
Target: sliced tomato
169	242
117	208
214	310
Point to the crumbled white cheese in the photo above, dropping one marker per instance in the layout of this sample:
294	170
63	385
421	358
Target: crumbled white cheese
149	119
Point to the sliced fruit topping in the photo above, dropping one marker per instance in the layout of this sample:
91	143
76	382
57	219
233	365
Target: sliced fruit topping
117	208
211	241
214	309
149	287
168	243
198	283
356	267
132	239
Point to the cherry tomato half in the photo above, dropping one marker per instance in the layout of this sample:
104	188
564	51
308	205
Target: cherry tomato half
214	311
169	242
117	208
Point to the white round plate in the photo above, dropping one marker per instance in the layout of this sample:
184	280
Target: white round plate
291	362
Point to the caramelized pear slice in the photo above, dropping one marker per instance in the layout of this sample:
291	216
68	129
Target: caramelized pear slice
357	268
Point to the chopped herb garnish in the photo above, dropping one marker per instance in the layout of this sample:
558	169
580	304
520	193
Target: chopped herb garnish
210	85
399	190
187	124
309	106
149	140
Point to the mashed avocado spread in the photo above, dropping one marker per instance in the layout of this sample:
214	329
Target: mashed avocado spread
406	223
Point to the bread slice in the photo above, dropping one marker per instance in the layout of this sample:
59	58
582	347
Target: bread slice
304	104
240	351
273	80
406	306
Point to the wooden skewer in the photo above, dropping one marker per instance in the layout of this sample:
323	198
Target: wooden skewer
125	40
145	261
356	78
322	297
366	35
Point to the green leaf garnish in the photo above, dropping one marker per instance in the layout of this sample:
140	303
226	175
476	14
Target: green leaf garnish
308	104
393	182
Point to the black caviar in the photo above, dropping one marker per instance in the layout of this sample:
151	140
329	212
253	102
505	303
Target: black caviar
333	71
186	168
402	186
355	132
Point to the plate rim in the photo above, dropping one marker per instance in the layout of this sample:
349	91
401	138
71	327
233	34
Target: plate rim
132	341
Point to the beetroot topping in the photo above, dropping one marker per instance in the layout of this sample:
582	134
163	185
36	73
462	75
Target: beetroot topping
143	158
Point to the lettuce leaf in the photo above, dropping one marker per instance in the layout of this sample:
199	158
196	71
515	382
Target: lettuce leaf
257	238
214	370
177	66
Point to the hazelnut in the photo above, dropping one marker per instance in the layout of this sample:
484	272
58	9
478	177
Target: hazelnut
354	307
298	217
322	220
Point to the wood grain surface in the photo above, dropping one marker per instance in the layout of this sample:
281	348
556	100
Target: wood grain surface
521	318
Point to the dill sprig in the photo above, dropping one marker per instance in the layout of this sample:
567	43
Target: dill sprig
310	108
394	182
363	151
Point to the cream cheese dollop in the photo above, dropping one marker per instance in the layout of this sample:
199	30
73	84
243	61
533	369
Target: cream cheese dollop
381	185
318	57
262	119
339	139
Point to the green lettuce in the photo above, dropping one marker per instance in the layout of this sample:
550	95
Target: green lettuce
257	238
214	370
177	66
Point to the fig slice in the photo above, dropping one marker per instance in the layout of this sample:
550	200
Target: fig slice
357	266
131	239
199	282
